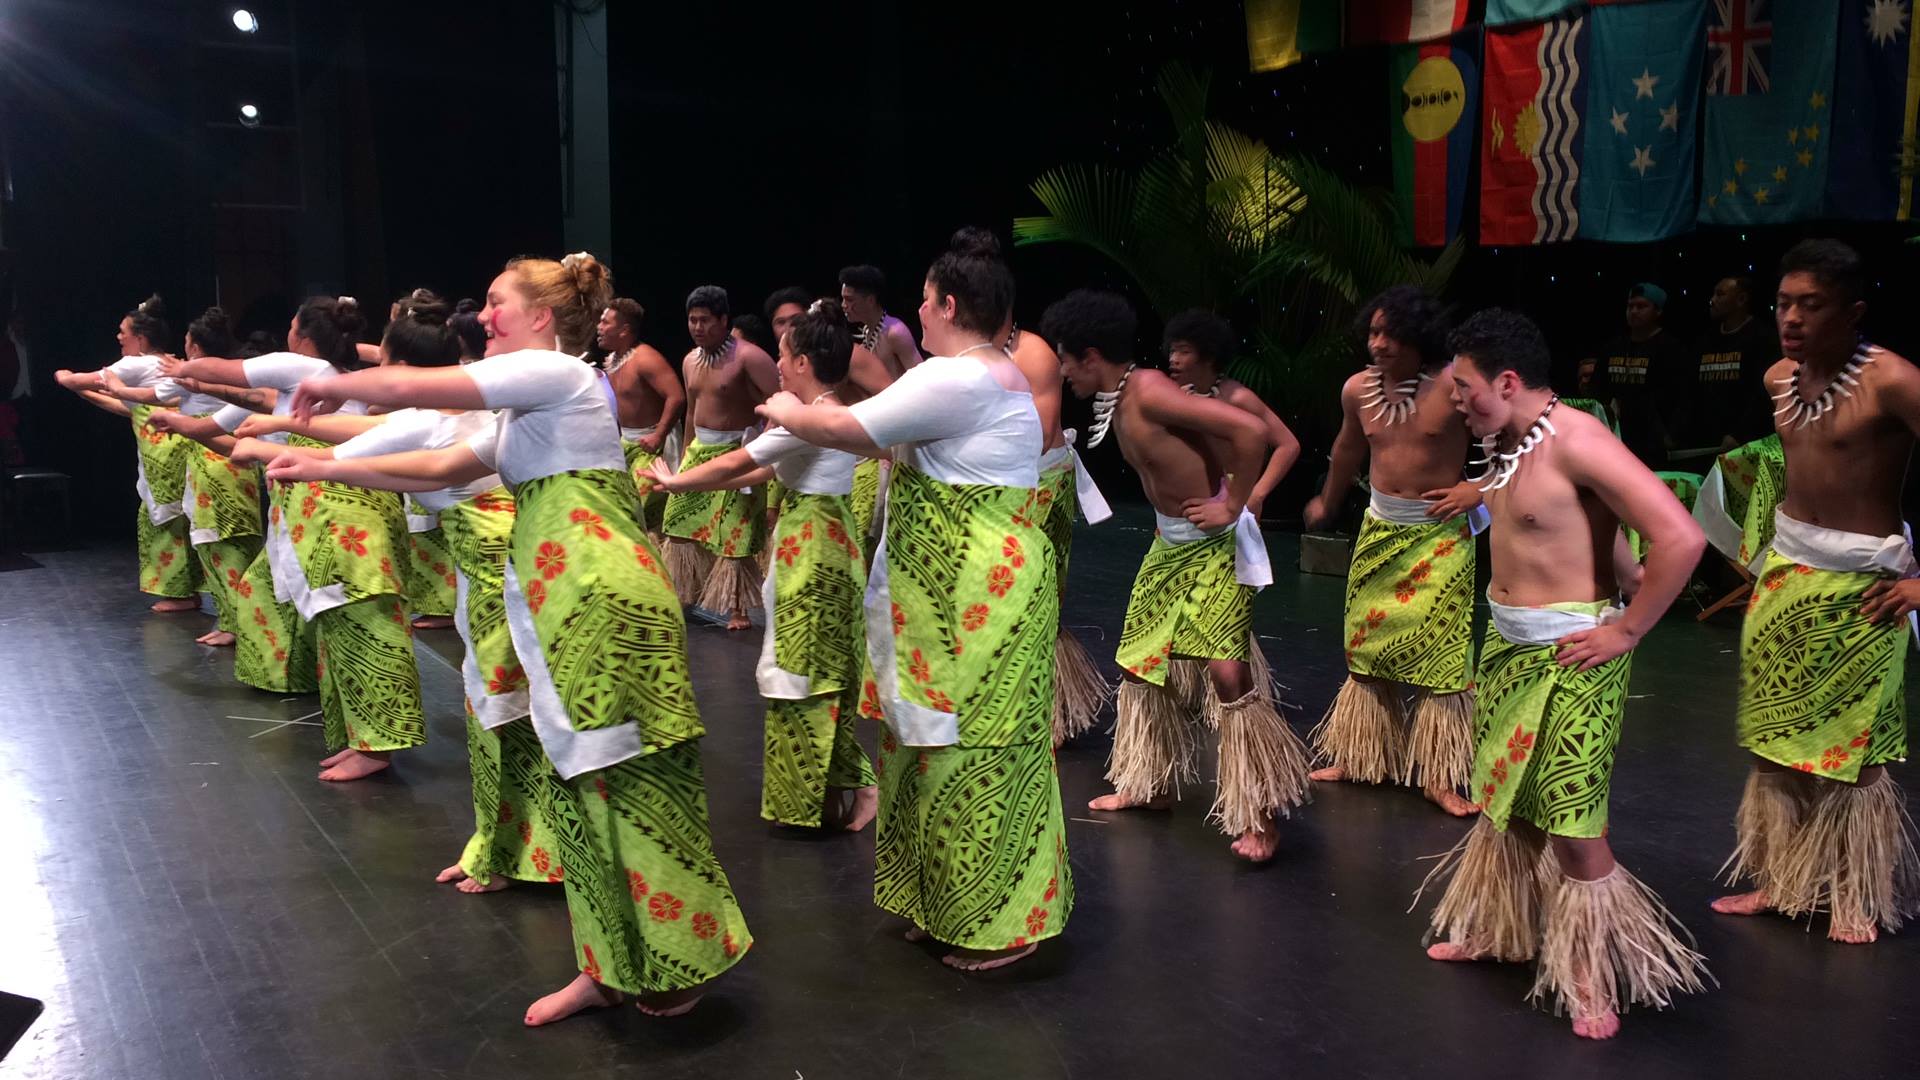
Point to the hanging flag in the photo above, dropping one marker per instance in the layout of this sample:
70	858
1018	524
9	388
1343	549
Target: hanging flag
1433	94
1280	33
1643	70
1535	95
1875	94
1503	12
1394	22
1764	147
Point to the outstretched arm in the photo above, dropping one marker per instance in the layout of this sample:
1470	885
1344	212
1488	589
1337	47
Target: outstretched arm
733	469
414	470
1600	463
201	429
328	428
393	387
826	423
211	369
1349	453
136	395
106	402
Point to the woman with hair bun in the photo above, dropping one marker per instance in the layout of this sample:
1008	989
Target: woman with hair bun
961	609
337	551
167	568
597	628
811	656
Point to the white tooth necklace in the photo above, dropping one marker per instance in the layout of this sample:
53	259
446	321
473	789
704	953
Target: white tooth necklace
1802	412
1393	409
1104	402
1501	467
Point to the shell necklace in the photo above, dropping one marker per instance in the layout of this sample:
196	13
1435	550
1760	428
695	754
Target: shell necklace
1501	467
1801	412
1104	402
1396	409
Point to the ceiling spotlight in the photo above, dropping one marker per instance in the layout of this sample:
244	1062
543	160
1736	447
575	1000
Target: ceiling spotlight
244	21
250	115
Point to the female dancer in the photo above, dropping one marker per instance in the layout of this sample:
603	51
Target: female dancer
961	615
166	570
810	658
598	629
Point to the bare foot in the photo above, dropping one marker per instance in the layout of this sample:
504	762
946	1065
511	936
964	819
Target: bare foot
168	607
1117	801
335	758
1604	1026
1455	953
580	994
986	960
1257	845
916	935
866	806
671	1002
1756	902
472	886
1330	774
739	621
432	622
357	765
451	873
219	639
1451	802
1866	935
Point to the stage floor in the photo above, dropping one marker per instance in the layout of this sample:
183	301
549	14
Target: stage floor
190	902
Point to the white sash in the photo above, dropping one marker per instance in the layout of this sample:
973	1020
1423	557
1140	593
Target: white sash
1544	625
1251	565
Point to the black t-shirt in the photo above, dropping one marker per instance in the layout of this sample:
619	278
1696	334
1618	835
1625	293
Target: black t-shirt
1729	394
1642	376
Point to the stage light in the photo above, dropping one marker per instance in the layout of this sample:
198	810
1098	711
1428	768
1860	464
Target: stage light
244	21
250	115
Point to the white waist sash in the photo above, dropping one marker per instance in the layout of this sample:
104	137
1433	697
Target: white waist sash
1832	549
1398	511
720	438
1251	566
1545	625
1093	505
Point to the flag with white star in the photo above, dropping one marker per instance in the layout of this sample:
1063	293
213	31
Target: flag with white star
1764	145
1643	67
1870	170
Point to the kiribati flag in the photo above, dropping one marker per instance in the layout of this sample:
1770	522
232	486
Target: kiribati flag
1874	97
1433	94
1531	139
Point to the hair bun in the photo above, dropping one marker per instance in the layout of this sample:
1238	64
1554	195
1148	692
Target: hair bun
591	278
153	306
216	317
975	242
828	308
467	306
428	313
346	312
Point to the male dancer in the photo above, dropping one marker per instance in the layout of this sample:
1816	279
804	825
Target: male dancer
881	333
650	399
783	306
1188	601
1553	680
1823	651
713	537
1410	585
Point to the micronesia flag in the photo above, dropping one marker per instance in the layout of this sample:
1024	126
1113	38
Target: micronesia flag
1643	71
1874	101
1534	99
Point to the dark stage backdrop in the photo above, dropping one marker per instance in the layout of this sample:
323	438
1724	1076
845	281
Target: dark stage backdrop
426	134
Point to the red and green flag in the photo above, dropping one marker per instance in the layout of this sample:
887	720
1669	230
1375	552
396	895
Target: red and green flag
1433	91
1397	22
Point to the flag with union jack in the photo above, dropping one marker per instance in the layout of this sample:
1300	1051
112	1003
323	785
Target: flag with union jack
1763	146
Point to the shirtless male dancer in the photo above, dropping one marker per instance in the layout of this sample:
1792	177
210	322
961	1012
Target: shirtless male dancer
649	396
883	350
882	334
1536	878
1823	651
713	537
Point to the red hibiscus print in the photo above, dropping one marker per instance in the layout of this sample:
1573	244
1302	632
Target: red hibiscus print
557	875
600	789
1500	771
1421	570
899	620
870	701
1775	578
834	532
541	860
591	969
1403	591
166	558
1488	792
665	907
1044	497
974	617
1798	569
1835	757
591	524
806	530
637	886
1053	889
1861	739
280	655
705	926
259	617
386	566
1359	637
506	812
536	592
1805	766
308	505
526	831
1518	744
202	500
353	540
1444	548
729	946
918	670
1000	580
789	550
453	582
701	535
1010	551
921	763
273	514
1036	922
550	560
1375	617
506	680
939	701
643	557
299	533
887	743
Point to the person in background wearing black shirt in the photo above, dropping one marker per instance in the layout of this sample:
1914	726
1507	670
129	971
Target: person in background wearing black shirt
1729	403
1638	373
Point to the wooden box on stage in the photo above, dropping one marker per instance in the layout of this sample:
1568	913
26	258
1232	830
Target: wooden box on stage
1325	553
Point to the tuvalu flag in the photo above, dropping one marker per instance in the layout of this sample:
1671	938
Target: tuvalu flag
1280	33
1763	151
1644	61
1433	98
1393	22
1876	92
1534	100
